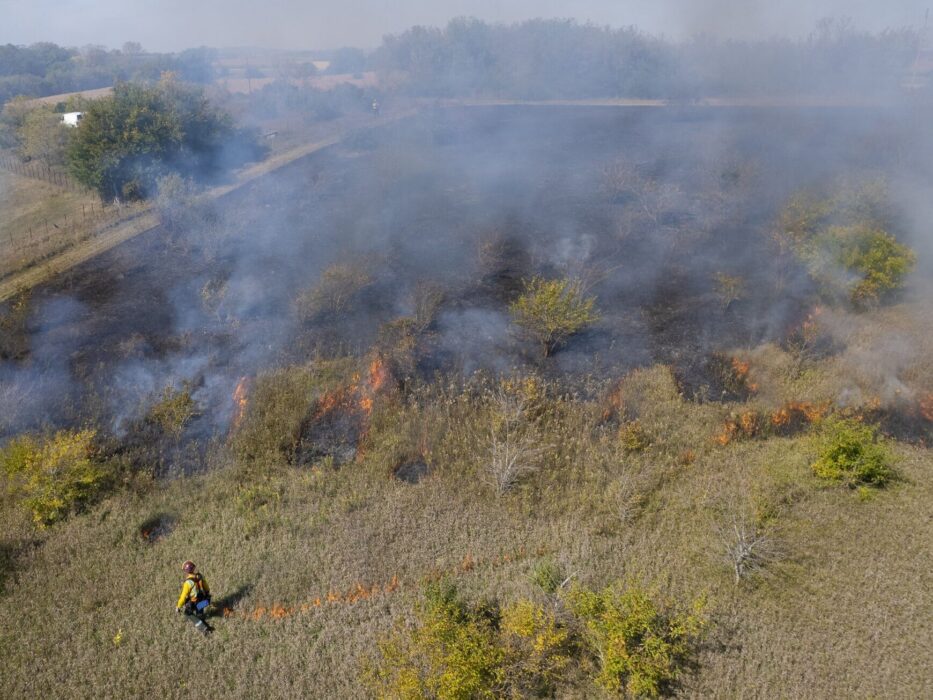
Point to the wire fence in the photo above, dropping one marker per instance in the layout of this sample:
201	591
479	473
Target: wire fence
39	171
45	237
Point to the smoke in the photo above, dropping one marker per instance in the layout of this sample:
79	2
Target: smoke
173	25
646	205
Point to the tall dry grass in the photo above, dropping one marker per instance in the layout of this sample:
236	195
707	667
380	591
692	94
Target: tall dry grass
316	563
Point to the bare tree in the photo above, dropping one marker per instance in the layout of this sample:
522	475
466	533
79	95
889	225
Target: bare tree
747	548
514	446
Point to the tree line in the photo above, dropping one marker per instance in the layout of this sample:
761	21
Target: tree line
551	59
48	69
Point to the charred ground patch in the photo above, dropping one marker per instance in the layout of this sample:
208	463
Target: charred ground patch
647	207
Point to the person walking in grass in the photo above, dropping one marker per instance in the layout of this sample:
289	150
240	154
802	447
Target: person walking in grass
195	598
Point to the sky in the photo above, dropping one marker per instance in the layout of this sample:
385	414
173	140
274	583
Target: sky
171	25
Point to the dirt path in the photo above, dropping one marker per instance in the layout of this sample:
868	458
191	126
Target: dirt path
130	227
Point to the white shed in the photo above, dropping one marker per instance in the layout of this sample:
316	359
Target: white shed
72	118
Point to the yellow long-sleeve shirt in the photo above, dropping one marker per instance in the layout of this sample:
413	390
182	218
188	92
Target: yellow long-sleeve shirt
189	589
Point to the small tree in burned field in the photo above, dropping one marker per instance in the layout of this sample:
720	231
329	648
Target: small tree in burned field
847	245
729	289
551	311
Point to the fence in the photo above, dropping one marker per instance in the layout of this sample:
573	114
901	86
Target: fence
38	171
46	238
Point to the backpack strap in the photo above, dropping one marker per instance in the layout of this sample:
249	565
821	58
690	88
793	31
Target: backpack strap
195	587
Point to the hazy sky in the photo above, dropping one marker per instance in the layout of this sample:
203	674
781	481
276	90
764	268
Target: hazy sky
177	24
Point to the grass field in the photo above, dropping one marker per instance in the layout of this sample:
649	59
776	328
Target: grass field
40	219
315	564
324	487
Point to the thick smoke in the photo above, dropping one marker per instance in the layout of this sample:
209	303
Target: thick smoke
646	205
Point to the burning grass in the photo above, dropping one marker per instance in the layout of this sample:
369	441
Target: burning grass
716	377
157	528
335	429
792	418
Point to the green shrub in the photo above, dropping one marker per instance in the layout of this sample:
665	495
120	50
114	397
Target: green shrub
878	262
173	410
845	244
451	654
131	138
639	646
851	453
633	437
461	651
54	475
547	575
538	650
550	311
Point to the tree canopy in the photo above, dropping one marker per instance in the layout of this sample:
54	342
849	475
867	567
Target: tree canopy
48	69
142	132
561	59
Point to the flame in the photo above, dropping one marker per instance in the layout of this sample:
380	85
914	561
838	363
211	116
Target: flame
378	374
925	406
746	424
740	369
362	592
358	394
794	412
240	400
792	417
615	402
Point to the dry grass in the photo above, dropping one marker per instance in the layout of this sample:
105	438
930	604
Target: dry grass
40	219
317	563
321	82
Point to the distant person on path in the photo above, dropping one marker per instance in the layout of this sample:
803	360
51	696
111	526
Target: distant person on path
195	598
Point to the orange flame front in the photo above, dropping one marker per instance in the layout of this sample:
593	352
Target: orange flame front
240	400
360	592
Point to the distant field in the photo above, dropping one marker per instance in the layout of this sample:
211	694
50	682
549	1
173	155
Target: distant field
323	82
62	97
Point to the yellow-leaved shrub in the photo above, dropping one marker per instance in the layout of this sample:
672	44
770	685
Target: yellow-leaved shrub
54	475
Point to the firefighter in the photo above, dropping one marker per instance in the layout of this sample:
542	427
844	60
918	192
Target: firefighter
195	598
